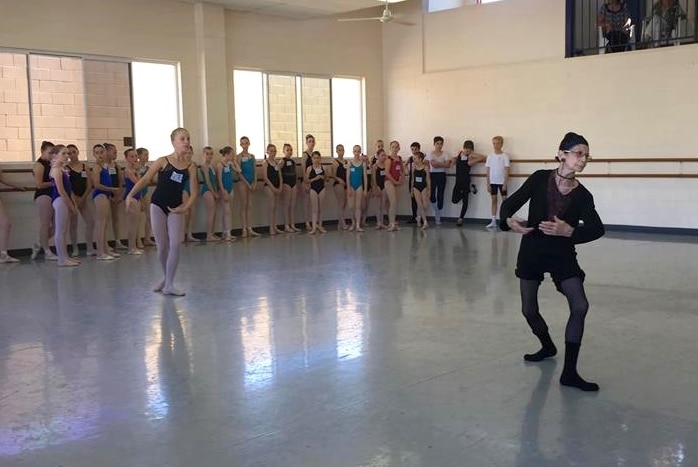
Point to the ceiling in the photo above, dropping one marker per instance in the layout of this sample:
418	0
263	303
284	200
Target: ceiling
298	8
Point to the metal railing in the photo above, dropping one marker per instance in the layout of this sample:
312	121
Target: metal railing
608	26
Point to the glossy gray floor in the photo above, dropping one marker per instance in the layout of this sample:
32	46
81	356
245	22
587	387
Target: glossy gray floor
340	350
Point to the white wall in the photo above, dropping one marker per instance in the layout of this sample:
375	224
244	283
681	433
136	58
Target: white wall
638	104
207	42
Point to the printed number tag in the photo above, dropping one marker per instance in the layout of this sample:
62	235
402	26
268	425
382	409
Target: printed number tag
177	177
226	169
83	174
382	172
418	179
464	158
353	169
290	163
318	171
112	170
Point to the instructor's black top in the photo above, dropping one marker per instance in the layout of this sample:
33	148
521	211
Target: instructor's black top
579	207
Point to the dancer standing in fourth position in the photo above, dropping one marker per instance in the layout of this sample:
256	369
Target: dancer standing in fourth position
557	203
167	209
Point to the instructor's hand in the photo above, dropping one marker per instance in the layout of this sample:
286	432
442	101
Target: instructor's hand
515	224
556	227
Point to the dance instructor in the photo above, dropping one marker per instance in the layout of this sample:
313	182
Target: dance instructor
558	202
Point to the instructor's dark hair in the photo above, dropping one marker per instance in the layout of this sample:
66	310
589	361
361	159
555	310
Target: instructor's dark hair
570	140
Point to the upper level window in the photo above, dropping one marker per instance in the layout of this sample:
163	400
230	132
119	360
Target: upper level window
431	6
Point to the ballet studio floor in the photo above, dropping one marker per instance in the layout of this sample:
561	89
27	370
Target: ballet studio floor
344	350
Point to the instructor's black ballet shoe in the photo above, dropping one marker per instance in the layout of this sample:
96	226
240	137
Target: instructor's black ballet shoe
576	381
542	354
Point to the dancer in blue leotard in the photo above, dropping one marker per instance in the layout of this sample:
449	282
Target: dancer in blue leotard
248	166
63	203
143	155
133	216
101	196
190	215
356	182
226	170
209	192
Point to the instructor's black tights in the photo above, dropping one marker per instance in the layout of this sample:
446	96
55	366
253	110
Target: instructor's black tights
573	289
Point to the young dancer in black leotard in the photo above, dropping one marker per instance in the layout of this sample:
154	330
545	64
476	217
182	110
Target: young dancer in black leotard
289	189
271	173
421	187
558	202
166	208
340	186
82	189
379	187
315	176
43	202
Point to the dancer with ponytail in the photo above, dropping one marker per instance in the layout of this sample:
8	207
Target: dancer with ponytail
167	209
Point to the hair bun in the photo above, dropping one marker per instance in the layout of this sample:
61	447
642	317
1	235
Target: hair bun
572	139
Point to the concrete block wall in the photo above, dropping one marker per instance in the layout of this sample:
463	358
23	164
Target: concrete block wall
108	103
283	112
15	136
58	103
317	114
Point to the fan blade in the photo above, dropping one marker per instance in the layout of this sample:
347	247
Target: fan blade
375	18
404	23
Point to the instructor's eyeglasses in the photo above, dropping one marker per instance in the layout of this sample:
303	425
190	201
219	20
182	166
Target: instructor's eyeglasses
579	155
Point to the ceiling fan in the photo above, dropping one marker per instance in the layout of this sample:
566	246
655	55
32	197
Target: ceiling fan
386	17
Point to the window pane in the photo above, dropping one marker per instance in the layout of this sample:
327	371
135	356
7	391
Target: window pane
317	117
347	113
283	115
156	110
58	100
249	109
15	133
440	5
108	100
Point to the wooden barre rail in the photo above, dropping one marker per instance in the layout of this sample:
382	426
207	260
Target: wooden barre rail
514	175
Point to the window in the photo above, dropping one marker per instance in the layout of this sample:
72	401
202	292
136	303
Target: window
282	108
249	109
156	109
84	101
347	113
431	6
316	106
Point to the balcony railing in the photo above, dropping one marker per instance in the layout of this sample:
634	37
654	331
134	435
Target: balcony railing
607	26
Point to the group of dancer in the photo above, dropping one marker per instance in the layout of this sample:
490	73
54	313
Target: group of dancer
561	210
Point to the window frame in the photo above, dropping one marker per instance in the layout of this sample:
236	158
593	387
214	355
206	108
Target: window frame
300	130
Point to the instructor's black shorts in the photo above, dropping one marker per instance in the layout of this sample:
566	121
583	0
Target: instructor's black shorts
532	265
